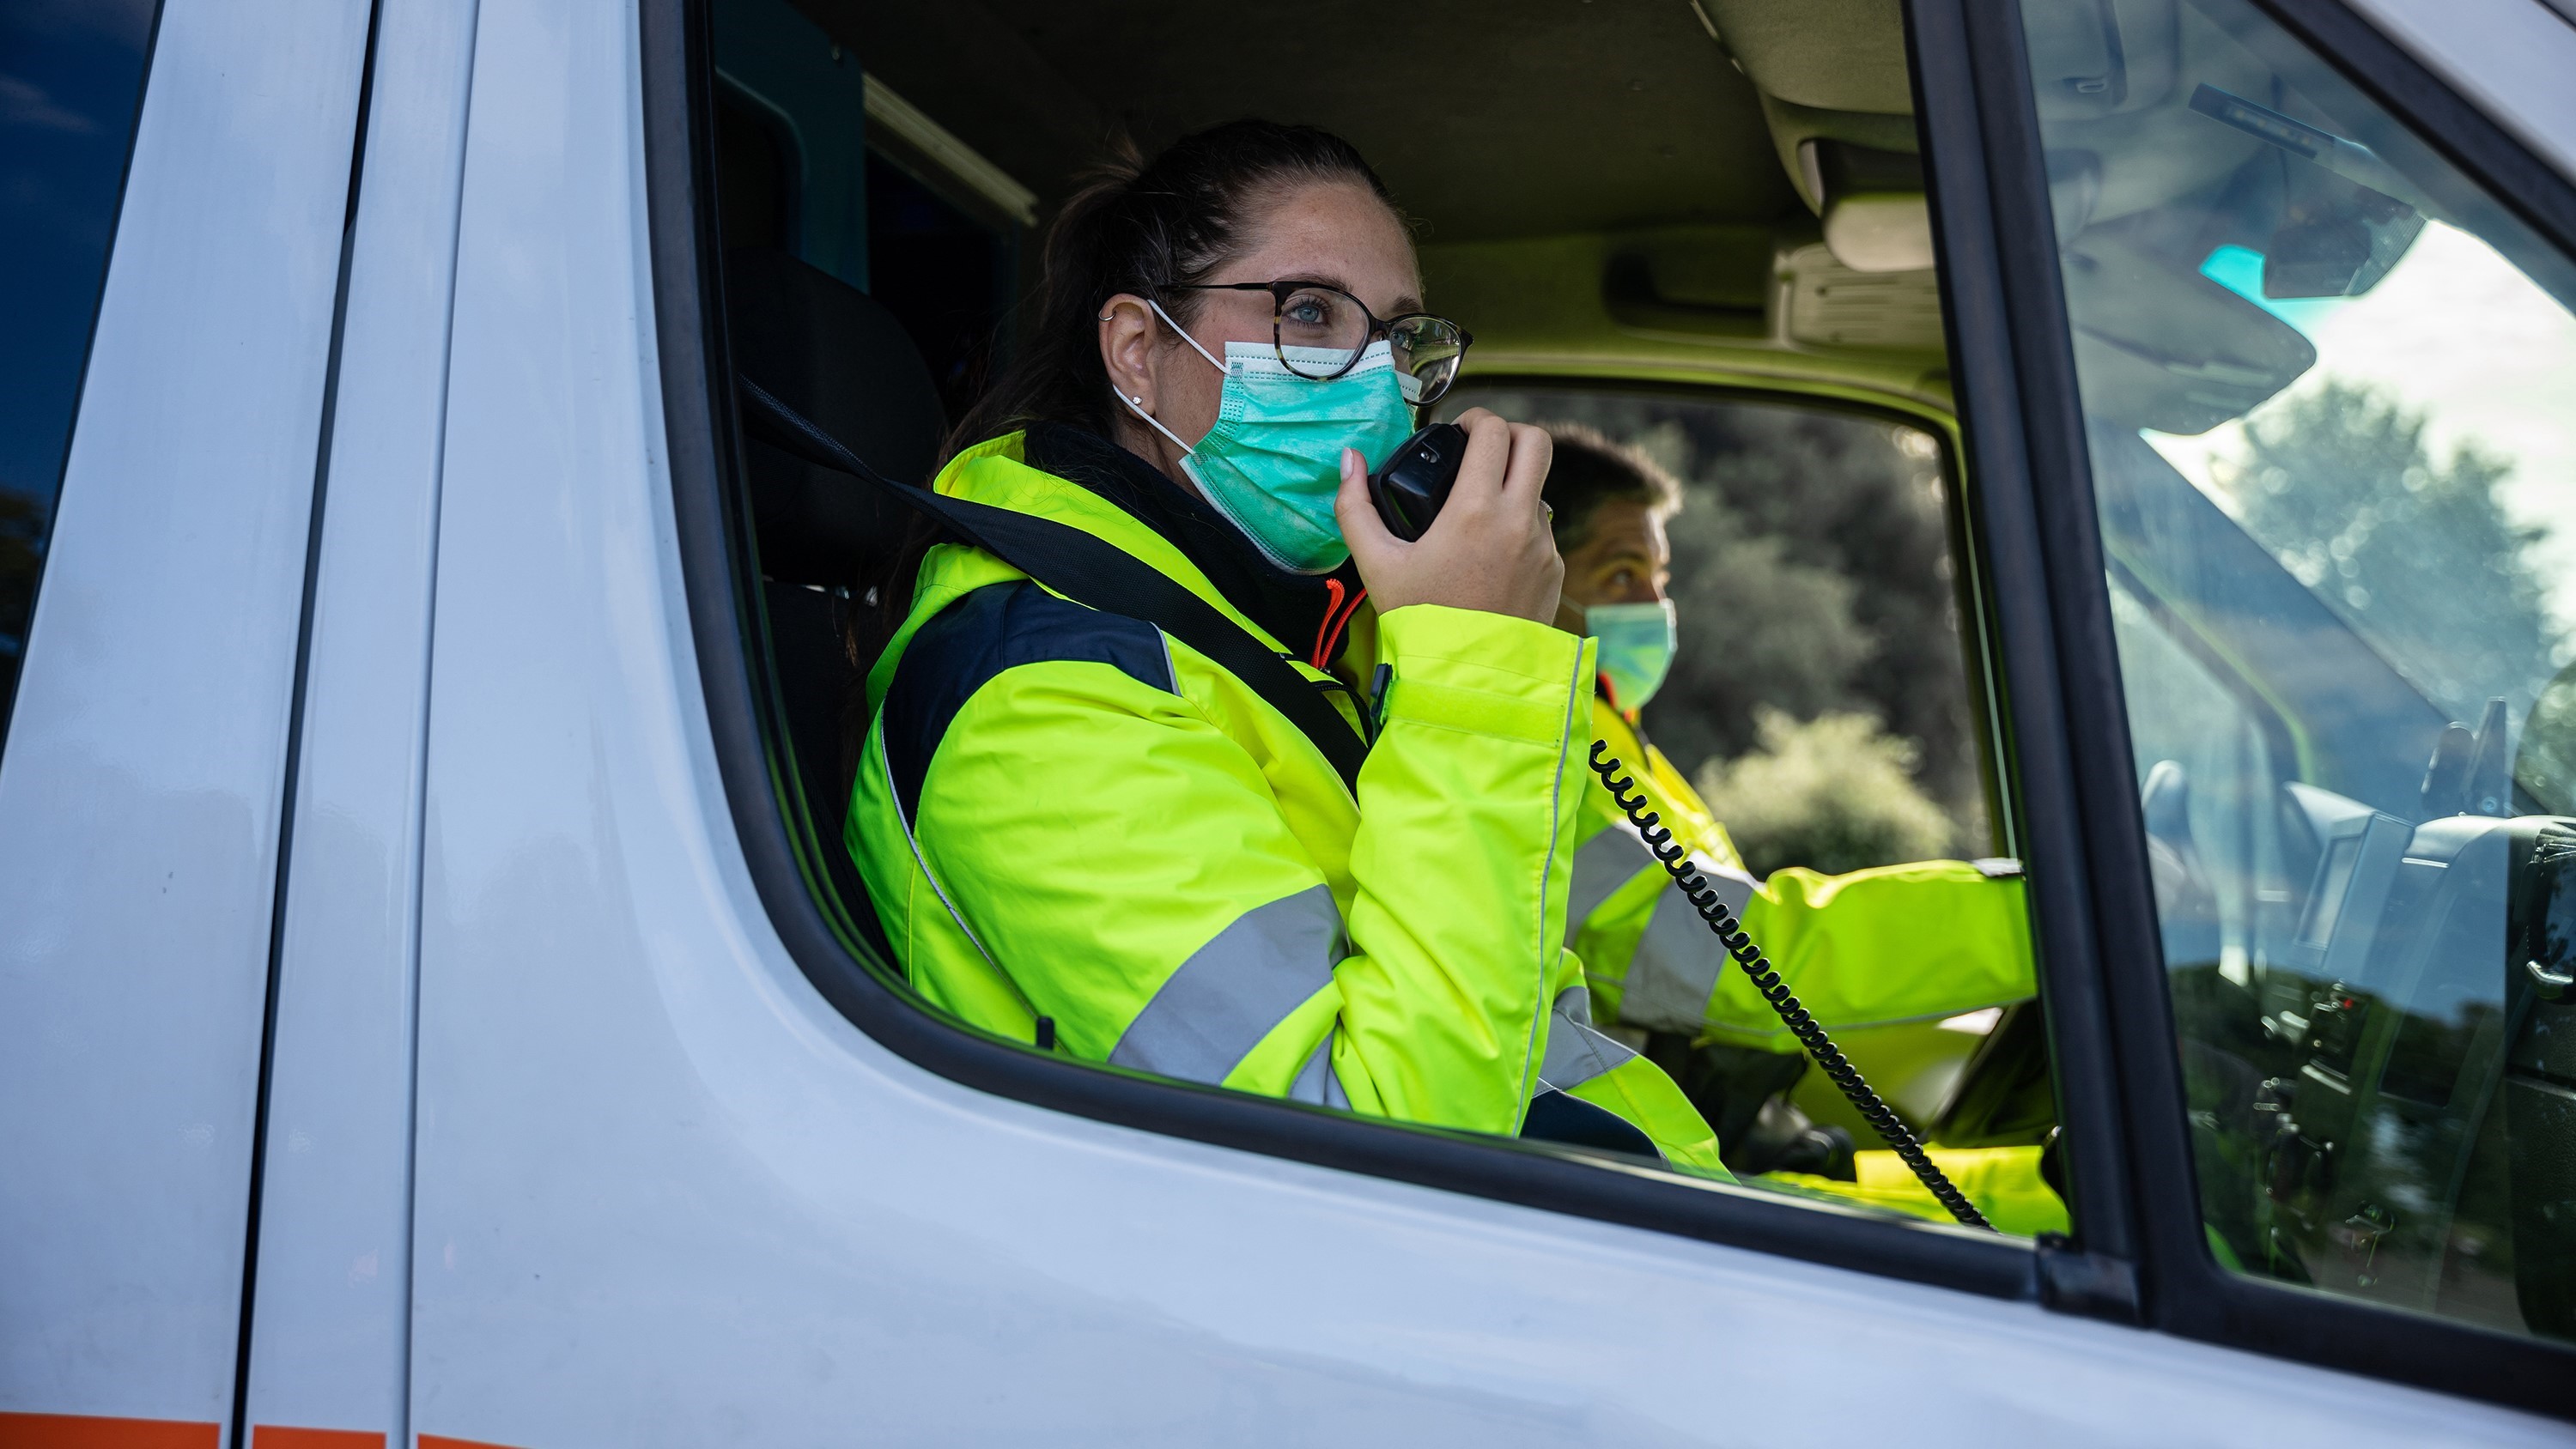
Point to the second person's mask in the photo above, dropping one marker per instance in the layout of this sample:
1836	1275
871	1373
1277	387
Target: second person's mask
1636	650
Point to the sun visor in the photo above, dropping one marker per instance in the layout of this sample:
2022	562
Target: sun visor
1825	304
1826	55
1849	55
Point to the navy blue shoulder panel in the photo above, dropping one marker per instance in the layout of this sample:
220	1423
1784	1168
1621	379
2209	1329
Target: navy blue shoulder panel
998	627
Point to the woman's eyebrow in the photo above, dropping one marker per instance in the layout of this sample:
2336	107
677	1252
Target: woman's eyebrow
1406	303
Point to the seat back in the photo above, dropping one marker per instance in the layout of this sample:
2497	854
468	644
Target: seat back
832	353
823	539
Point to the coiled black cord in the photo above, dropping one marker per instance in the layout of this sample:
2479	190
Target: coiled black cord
1810	1032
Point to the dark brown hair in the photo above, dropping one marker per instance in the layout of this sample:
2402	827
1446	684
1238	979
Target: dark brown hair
1589	470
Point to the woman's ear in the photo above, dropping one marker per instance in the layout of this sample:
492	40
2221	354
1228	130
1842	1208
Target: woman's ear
1127	335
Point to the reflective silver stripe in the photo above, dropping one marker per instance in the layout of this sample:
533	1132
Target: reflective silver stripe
1675	967
1609	860
923	862
1232	991
1317	1081
1576	1053
1575	699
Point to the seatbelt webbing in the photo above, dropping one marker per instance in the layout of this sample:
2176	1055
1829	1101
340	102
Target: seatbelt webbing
1090	571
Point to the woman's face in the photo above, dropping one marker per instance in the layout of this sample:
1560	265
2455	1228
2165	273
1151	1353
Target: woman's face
1336	233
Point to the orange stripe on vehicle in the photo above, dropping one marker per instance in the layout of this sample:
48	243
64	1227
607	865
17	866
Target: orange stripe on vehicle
438	1441
272	1436
85	1431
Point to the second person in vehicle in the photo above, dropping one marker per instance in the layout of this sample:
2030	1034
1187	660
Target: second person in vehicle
1911	942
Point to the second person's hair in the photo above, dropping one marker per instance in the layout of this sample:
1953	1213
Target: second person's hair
1589	470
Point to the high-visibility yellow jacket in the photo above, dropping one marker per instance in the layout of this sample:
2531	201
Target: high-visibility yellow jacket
1872	948
1064	813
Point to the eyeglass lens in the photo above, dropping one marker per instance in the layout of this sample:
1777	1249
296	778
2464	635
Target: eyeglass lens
1322	331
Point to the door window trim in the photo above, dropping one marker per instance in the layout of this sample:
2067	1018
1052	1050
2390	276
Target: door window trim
712	519
2102	969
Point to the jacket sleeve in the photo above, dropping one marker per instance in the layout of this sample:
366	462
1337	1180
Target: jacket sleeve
1874	947
1130	870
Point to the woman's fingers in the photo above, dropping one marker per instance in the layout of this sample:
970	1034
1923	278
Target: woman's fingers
1489	448
1489	549
1532	451
1362	529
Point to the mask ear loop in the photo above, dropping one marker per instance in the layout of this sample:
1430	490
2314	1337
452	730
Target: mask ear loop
1137	405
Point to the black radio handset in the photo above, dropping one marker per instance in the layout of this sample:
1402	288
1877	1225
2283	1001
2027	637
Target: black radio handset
1408	490
1409	487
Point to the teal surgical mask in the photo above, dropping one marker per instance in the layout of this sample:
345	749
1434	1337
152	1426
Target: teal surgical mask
1273	462
1637	642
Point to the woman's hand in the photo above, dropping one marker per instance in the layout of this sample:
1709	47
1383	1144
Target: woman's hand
1490	548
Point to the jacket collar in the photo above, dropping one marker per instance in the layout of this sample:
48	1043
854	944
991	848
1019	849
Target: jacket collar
1309	613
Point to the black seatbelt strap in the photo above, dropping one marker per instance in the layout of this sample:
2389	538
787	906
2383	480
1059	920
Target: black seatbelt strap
1090	571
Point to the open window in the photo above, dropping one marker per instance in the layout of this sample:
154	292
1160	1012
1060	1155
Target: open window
1713	248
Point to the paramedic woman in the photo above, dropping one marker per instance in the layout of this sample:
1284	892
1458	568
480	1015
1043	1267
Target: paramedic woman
1082	833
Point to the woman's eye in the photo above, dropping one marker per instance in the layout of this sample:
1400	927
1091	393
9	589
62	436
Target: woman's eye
1305	312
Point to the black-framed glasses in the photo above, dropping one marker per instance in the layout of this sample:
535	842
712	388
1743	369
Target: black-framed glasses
1321	331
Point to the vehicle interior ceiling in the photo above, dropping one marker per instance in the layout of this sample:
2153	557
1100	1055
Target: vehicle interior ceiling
1605	186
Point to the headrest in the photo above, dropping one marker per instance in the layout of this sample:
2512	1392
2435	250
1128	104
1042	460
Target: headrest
832	353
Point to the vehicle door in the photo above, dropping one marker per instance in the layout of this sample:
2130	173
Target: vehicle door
172	257
466	892
690	1167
